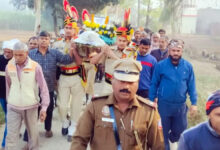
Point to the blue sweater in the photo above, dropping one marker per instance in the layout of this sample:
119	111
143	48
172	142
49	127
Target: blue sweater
201	137
148	63
172	83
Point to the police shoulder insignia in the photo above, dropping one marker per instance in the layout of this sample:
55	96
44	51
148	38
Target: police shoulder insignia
146	101
159	124
58	39
105	110
100	97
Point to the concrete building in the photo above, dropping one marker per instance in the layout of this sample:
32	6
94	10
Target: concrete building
189	17
208	21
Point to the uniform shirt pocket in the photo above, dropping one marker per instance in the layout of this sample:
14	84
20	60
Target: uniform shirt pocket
103	130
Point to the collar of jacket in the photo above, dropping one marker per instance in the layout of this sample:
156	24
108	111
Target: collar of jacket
112	101
180	62
213	132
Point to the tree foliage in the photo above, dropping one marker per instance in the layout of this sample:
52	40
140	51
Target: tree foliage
166	14
171	13
54	9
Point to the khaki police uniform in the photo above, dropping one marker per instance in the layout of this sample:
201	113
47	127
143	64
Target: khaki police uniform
139	127
126	53
90	70
69	89
90	73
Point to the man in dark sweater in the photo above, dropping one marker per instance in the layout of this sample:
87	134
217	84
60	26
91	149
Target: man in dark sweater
8	54
162	52
205	136
148	62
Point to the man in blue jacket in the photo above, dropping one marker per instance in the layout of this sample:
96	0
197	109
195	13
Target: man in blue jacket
205	136
173	78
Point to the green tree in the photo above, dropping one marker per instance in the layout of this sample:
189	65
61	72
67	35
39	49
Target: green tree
55	8
149	14
171	13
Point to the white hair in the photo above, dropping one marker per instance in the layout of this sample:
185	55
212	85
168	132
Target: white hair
20	46
156	35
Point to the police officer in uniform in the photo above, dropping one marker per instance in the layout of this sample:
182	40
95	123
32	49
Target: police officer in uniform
70	89
90	70
109	54
121	120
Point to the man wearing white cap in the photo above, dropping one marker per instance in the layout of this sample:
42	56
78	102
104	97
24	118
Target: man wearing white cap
121	120
8	54
24	79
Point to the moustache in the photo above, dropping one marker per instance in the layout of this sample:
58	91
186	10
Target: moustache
125	91
176	56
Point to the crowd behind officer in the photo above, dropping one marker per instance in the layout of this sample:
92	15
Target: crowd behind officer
175	52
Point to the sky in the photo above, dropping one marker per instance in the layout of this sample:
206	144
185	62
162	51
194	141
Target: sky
208	3
5	5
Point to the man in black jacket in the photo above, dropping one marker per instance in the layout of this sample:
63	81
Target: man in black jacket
7	55
162	52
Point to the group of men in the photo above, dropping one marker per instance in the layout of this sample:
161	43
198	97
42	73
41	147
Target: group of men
143	101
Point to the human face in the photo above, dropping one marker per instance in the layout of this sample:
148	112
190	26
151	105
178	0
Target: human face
8	53
143	36
175	53
32	44
122	42
20	56
44	41
144	49
124	91
155	39
162	33
69	31
162	44
137	35
214	118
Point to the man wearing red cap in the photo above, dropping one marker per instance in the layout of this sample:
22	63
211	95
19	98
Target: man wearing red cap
70	89
109	54
205	136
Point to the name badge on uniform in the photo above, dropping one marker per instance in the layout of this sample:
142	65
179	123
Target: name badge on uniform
108	120
2	73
